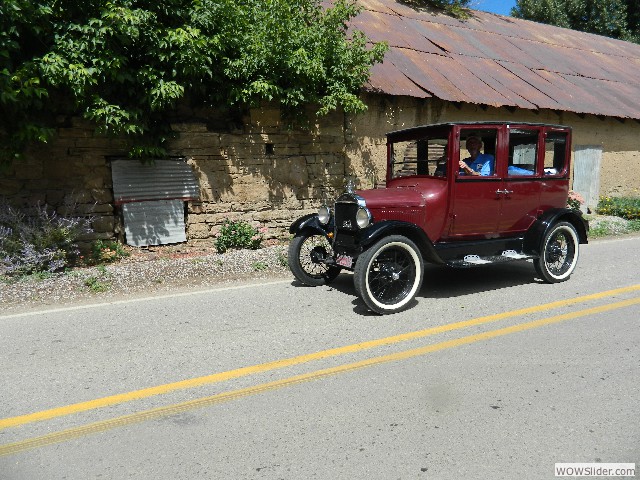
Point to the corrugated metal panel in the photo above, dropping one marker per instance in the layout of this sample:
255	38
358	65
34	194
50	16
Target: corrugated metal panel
154	223
500	79
615	95
501	61
388	79
586	173
428	79
134	181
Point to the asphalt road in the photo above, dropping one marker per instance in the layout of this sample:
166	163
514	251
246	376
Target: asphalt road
490	374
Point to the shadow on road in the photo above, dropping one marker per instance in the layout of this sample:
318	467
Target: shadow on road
446	282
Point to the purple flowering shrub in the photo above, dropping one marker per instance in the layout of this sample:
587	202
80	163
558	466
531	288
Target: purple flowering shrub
38	240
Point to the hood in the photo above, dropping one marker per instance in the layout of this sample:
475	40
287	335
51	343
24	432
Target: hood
399	197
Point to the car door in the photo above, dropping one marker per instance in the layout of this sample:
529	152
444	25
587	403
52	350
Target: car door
521	171
475	205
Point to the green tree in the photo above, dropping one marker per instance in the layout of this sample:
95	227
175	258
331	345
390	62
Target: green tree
611	18
125	63
457	8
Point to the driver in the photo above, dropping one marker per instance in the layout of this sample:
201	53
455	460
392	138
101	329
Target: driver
477	163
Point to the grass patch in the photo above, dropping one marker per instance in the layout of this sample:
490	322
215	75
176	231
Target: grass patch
607	228
283	261
96	285
259	266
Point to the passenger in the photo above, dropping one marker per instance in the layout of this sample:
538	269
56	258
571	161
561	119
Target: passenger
478	163
441	163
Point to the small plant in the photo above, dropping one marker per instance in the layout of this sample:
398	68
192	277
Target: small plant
106	252
239	234
624	207
38	240
575	200
259	266
42	275
283	261
95	285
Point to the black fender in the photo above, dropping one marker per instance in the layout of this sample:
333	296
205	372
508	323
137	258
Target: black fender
375	232
311	222
532	243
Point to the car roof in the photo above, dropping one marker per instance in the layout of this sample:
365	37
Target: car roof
436	126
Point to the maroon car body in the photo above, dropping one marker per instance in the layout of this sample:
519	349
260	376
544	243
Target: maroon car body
512	205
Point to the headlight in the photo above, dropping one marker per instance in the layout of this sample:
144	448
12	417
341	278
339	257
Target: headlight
363	217
324	214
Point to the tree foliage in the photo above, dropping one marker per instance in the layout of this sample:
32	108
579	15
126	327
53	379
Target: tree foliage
456	8
124	63
611	18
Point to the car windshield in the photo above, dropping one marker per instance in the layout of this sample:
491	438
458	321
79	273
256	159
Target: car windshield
424	156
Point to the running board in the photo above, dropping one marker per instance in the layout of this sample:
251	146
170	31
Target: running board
473	260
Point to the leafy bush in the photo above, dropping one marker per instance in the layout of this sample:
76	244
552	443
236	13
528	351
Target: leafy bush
106	252
624	207
239	234
124	65
39	241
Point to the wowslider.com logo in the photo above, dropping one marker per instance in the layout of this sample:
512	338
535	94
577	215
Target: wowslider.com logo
595	469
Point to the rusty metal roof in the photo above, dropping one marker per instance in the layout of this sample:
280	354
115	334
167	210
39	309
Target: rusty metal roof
495	60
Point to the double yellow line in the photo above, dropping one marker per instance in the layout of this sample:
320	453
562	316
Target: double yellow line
241	372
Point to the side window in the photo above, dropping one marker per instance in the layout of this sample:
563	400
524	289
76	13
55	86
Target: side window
438	150
555	151
477	153
523	152
426	156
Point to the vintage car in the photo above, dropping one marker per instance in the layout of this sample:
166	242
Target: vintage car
456	194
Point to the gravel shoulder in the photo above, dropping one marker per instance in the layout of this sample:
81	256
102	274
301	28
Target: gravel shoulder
147	271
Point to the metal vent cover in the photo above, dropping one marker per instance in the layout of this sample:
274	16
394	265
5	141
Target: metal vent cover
157	222
171	179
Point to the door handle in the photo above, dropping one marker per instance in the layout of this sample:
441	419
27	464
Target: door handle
505	192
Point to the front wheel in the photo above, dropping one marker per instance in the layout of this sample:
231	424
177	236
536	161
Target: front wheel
559	254
307	253
389	274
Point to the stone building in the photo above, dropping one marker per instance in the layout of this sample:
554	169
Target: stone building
438	69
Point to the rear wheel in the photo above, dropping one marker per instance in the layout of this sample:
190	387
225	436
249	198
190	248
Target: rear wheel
306	255
559	254
388	275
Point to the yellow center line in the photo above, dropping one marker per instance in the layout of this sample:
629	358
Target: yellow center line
288	362
139	417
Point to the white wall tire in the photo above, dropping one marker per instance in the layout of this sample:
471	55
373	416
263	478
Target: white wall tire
559	253
389	274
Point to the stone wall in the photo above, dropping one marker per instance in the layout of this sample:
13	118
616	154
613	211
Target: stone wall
265	173
70	174
260	170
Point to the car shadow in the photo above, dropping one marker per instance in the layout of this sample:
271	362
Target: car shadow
441	282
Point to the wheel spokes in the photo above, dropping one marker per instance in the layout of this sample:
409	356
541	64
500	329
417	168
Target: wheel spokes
559	254
391	276
312	252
